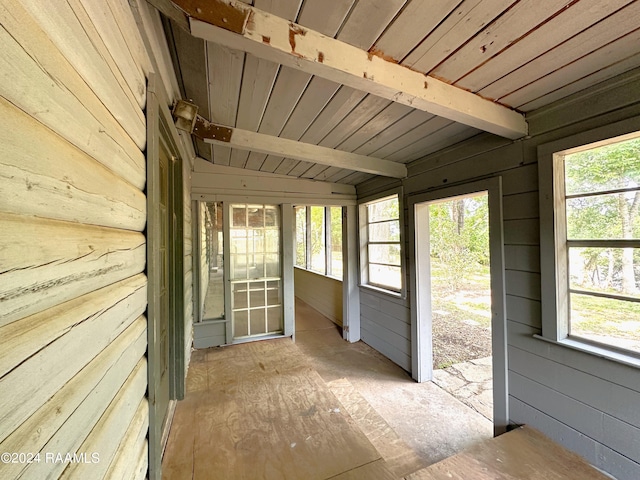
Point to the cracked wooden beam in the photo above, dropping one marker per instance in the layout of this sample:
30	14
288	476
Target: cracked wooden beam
283	147
237	25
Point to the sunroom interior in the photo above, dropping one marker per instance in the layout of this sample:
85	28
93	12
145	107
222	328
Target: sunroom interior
239	192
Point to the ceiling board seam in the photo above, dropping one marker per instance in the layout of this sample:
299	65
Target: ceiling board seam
570	63
403	134
244	63
385	128
266	105
320	112
444	19
342	119
421	139
483	28
346	19
555	47
514	42
580	79
388	25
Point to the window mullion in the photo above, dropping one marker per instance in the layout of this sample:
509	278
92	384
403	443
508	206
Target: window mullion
327	241
307	255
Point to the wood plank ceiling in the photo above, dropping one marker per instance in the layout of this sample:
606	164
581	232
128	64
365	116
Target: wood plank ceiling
523	54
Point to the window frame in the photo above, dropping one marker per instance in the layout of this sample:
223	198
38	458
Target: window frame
363	239
554	274
326	222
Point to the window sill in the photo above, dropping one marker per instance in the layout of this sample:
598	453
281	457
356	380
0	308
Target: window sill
318	273
391	293
628	359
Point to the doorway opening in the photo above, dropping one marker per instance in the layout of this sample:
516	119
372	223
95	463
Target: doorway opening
255	271
212	261
461	299
449	277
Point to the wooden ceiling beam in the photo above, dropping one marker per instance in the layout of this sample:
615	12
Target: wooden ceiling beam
237	25
283	147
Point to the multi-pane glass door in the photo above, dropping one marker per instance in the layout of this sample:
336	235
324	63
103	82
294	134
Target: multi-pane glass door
255	271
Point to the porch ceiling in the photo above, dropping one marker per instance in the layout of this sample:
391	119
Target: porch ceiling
518	54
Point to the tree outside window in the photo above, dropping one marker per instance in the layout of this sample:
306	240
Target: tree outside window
602	202
383	251
319	240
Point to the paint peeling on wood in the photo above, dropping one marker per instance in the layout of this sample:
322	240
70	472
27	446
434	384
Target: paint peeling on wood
266	39
320	57
294	30
379	53
230	16
206	130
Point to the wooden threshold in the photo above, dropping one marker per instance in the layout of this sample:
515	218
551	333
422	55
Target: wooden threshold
521	453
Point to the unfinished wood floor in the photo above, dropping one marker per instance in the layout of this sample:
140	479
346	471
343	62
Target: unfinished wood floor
258	410
320	408
521	453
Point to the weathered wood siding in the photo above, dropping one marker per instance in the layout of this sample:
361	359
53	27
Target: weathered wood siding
585	402
73	293
321	292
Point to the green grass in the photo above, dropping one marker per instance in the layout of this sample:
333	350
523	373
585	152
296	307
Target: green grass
475	282
605	316
590	315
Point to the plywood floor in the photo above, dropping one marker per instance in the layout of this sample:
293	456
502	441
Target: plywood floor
521	453
258	410
318	408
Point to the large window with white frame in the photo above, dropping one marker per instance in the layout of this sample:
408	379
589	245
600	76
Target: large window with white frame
381	244
596	225
318	240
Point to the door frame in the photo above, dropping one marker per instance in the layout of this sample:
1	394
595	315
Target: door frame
286	245
421	321
160	128
286	265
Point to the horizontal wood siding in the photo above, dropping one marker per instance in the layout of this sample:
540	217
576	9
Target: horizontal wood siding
73	292
385	324
320	292
583	401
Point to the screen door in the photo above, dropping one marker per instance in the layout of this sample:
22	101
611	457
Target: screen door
255	271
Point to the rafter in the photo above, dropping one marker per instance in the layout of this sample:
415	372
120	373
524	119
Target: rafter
259	142
237	25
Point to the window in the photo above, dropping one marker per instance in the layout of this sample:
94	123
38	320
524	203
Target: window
318	253
596	190
319	240
301	236
381	244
